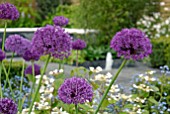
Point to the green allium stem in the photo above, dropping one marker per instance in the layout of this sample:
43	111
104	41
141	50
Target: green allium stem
4	35
7	79
1	95
76	108
22	76
39	84
110	85
77	58
9	68
33	84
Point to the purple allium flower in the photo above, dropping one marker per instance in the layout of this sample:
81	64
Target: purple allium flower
132	44
75	90
78	44
2	55
37	69
8	11
31	55
52	40
60	21
17	44
8	106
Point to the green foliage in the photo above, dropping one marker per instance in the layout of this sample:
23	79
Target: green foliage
110	16
27	12
65	10
160	52
46	8
97	53
16	69
70	60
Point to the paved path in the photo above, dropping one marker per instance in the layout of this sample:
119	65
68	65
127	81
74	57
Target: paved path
124	77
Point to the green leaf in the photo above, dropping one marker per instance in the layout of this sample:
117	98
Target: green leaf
128	106
145	112
154	88
95	85
152	100
57	83
105	103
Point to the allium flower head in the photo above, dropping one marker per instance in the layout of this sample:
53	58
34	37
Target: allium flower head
7	106
52	40
60	21
37	69
78	44
31	55
17	44
2	55
8	11
75	90
132	44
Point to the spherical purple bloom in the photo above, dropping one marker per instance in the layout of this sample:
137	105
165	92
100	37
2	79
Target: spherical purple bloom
8	106
60	21
75	90
2	55
31	55
37	69
78	44
132	44
17	44
8	11
52	40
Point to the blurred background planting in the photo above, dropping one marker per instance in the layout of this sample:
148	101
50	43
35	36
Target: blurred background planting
106	17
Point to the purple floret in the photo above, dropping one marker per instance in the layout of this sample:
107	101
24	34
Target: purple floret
17	44
31	55
37	69
8	106
52	40
60	21
131	44
78	44
75	90
2	55
8	11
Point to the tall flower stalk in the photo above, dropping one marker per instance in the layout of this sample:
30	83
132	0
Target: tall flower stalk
111	83
76	108
1	95
77	58
131	44
33	83
8	81
78	45
4	36
22	76
39	84
2	57
9	68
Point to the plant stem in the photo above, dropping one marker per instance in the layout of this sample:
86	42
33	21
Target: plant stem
39	84
1	96
110	85
9	68
76	108
4	35
33	75
7	79
77	59
22	76
10	64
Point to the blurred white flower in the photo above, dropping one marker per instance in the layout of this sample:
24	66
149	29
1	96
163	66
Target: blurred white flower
103	77
58	111
56	72
97	70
